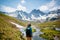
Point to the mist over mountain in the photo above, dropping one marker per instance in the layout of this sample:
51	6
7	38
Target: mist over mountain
35	15
54	15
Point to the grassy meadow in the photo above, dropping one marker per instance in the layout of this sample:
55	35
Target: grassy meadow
48	29
9	31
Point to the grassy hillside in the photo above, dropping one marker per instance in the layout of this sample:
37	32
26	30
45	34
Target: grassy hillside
49	31
7	30
55	23
11	19
50	34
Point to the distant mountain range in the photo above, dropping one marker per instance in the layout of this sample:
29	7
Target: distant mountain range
36	15
54	15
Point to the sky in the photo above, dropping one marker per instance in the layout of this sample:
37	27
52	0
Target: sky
29	5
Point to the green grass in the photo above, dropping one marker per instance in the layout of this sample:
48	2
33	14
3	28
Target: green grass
49	34
33	30
48	29
9	31
50	24
8	18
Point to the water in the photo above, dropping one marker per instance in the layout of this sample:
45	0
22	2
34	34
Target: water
57	29
35	34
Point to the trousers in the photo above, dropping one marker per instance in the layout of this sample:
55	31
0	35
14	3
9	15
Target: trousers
29	38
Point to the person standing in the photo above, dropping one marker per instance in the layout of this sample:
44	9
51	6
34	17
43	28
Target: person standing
29	32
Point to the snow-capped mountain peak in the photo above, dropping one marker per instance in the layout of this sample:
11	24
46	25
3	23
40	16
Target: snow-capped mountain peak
34	15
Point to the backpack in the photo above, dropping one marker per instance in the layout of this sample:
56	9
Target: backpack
29	31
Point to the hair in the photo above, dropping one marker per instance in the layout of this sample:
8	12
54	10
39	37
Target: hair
53	35
29	25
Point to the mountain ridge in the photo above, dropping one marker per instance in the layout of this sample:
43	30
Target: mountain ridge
35	14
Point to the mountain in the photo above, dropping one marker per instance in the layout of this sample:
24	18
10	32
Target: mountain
36	15
53	15
19	15
9	31
28	16
33	15
22	15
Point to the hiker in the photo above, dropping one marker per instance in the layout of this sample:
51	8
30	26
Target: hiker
29	32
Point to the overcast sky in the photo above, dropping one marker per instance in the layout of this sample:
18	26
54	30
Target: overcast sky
28	5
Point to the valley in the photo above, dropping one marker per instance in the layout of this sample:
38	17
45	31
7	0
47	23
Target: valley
12	25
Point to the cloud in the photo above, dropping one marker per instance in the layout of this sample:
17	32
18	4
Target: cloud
58	7
49	6
13	15
20	7
43	8
54	8
7	9
22	1
10	9
52	15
